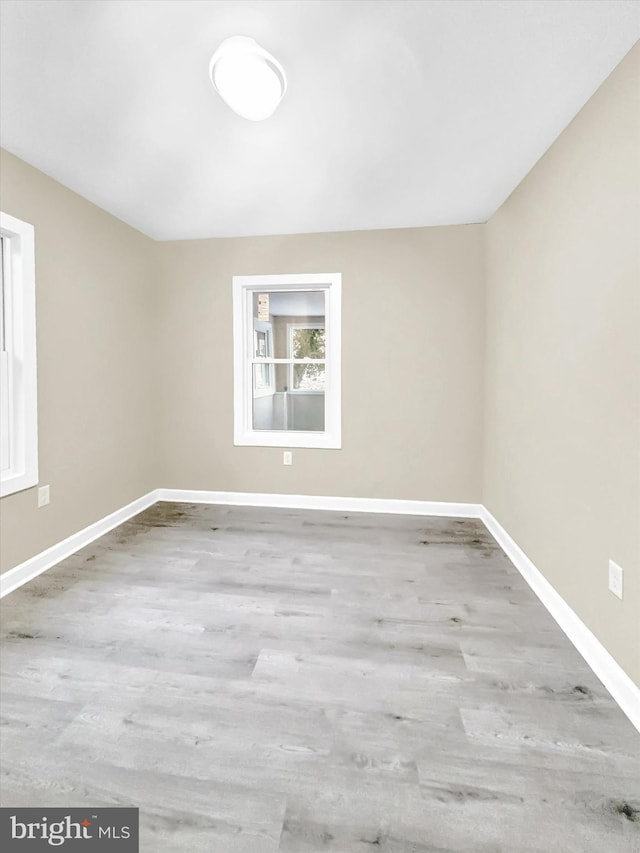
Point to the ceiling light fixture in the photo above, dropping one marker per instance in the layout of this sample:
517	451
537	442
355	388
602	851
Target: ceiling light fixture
247	78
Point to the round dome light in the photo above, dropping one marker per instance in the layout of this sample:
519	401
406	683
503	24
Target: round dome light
248	79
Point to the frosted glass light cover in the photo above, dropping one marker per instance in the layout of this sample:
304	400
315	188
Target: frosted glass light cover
248	79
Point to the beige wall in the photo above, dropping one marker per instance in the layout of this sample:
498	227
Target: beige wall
96	392
412	353
562	449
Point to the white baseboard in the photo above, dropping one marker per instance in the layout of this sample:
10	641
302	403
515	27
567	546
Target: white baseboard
340	504
624	692
617	682
30	569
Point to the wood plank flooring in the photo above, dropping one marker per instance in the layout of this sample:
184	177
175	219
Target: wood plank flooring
261	680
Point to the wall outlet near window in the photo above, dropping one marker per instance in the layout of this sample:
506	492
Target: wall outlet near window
43	496
616	575
287	458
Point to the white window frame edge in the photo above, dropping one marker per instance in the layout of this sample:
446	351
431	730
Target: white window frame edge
244	434
20	284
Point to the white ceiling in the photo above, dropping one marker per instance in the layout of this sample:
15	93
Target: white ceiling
397	113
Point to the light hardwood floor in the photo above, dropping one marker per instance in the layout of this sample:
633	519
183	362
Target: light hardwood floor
261	680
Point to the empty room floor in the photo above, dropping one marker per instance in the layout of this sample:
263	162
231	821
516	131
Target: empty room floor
260	680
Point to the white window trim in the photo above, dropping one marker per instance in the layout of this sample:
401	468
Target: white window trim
290	328
20	329
244	286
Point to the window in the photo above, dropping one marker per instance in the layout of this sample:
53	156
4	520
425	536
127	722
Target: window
287	360
18	390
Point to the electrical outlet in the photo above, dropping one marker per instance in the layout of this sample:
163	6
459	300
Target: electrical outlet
616	575
287	458
43	496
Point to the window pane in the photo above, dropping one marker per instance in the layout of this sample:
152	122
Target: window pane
261	341
287	313
303	304
308	377
307	342
280	410
262	377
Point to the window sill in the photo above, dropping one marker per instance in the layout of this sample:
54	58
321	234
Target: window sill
12	483
266	438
